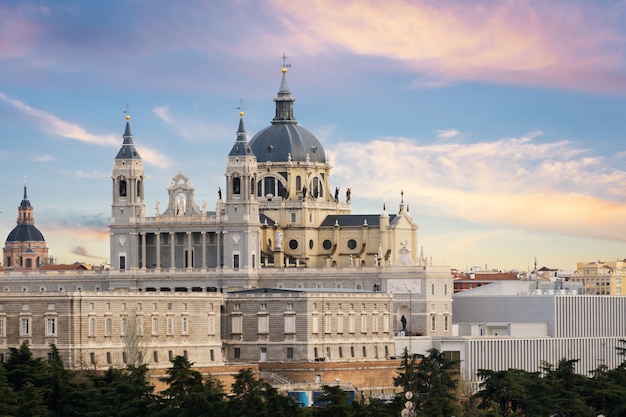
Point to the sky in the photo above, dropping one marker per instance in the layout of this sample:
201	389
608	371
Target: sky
501	121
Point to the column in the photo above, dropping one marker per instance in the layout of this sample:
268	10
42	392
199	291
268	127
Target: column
157	236
134	249
172	250
143	250
218	236
203	233
189	250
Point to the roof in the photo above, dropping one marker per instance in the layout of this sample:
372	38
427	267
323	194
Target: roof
353	220
25	233
128	150
284	140
64	267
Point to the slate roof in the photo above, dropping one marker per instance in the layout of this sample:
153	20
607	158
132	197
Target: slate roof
348	220
25	233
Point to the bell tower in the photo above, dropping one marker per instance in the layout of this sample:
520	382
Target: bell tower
128	206
242	225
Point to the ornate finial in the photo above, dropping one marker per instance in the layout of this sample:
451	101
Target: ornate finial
127	112
240	108
285	64
402	196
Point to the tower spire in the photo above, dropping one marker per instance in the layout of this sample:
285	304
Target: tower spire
284	100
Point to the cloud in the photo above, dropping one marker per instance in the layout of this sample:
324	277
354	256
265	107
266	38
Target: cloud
512	182
43	158
192	129
58	127
447	134
577	44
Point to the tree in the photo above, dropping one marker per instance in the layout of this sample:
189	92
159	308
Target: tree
187	394
432	378
566	387
336	403
254	398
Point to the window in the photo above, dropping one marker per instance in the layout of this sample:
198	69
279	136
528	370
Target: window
236	185
327	324
109	360
139	325
263	323
290	324
122	262
51	326
289	353
293	217
340	323
328	352
2	327
364	352
124	357
92	326
363	323
293	244
315	324
185	326
170	355
352	324
236	322
108	326
155	325
351	244
433	324
315	353
340	352
124	326
92	358
352	351
211	325
212	355
237	353
170	325
432	289
155	356
122	188
445	323
375	323
327	244
236	260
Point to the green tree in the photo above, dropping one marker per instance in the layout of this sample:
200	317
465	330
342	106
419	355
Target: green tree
187	395
336	403
511	392
122	393
254	398
567	390
432	378
8	399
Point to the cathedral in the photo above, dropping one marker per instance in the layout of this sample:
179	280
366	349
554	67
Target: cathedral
281	274
278	210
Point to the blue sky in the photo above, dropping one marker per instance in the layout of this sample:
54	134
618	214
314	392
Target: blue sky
502	121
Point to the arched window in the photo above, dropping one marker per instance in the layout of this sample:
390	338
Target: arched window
138	188
236	185
298	183
122	188
317	188
252	186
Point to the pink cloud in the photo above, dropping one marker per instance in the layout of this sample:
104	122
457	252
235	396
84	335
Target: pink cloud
569	45
17	33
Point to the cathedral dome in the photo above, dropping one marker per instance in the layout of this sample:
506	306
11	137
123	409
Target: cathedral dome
25	233
276	143
284	140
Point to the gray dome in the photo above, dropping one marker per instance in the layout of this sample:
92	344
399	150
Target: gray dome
276	142
25	233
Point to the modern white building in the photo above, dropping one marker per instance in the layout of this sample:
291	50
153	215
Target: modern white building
518	324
